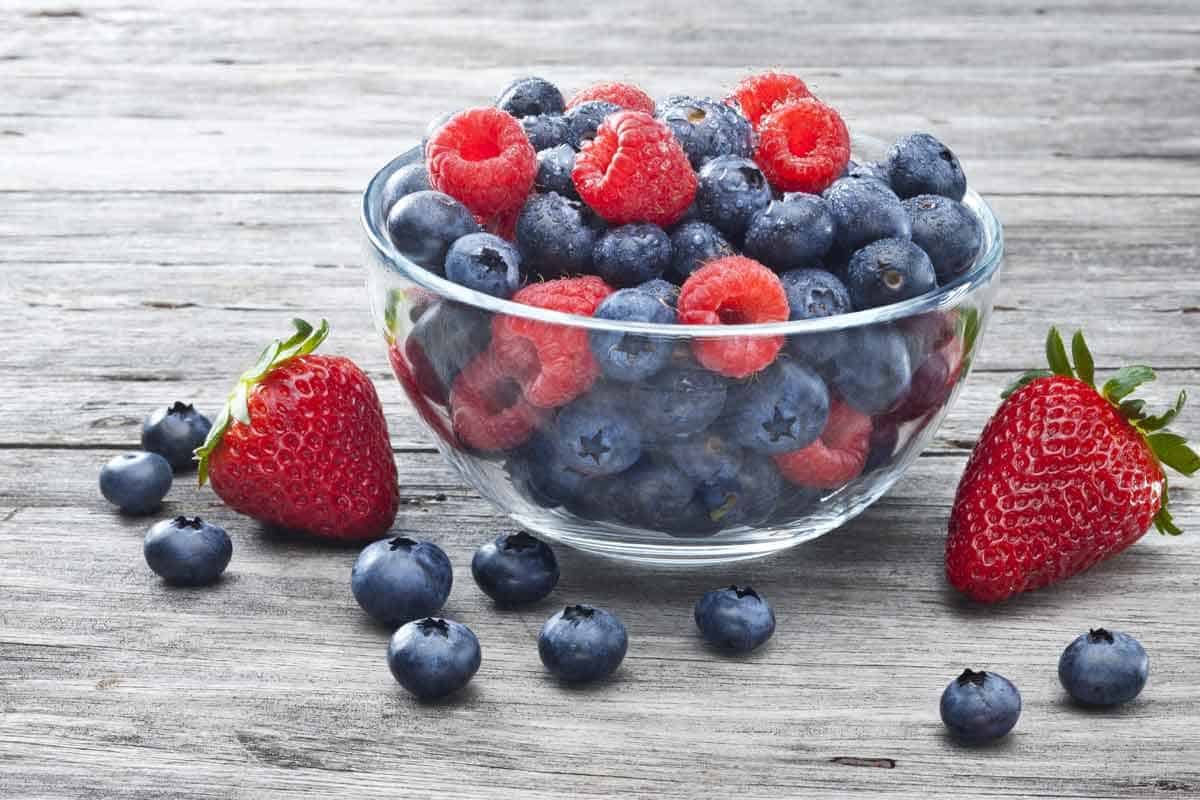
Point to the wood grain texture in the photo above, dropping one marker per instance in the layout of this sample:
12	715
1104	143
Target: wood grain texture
178	180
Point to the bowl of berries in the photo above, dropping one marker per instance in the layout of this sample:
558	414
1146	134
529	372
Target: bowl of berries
690	331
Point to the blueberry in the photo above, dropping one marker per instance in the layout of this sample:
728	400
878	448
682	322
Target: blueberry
791	234
885	435
174	433
865	210
530	96
678	401
596	436
866	169
398	580
748	497
658	493
539	472
485	263
423	225
443	341
432	657
870	368
1104	668
515	569
632	254
585	118
707	129
582	643
814	293
409	179
555	236
187	551
554	167
920	164
731	191
136	483
693	244
546	131
736	618
631	356
664	292
947	231
888	271
436	124
980	706
708	457
784	408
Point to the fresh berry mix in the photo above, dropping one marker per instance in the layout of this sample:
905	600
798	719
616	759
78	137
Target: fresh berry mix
622	95
689	211
515	569
736	619
433	658
400	579
174	433
635	171
1065	474
187	551
1104	668
136	483
582	643
980	706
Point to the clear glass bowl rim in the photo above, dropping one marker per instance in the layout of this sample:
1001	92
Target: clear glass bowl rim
946	297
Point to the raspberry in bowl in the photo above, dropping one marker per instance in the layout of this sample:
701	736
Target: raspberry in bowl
692	333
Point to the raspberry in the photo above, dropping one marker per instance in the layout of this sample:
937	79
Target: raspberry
760	94
625	95
483	158
487	409
803	146
734	291
834	459
503	224
635	171
552	363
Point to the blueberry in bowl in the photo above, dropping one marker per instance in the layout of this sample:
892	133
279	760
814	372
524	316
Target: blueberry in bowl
639	332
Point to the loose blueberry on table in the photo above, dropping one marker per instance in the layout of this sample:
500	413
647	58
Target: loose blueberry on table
980	706
175	432
187	551
1104	668
582	643
400	579
136	483
433	658
736	618
515	569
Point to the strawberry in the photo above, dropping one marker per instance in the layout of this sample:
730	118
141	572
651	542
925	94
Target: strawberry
1063	476
302	444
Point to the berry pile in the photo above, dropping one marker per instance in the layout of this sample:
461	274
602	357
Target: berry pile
691	211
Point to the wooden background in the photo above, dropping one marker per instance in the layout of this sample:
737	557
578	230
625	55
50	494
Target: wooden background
177	180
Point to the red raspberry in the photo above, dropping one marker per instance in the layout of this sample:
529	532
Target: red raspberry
635	171
803	146
483	158
758	94
407	375
552	363
503	224
834	459
625	95
487	409
734	291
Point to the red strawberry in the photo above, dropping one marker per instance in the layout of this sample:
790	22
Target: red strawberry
1064	475
302	444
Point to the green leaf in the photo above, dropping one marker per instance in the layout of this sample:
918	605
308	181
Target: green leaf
1024	380
1165	524
1151	424
969	321
1085	367
1056	354
1132	410
1172	450
1126	381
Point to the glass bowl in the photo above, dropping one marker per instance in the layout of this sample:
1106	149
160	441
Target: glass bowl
679	468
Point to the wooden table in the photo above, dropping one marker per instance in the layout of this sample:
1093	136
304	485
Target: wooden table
177	182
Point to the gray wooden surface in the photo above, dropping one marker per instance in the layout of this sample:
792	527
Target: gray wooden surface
178	180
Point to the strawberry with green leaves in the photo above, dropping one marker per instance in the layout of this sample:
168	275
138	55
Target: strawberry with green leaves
303	444
1064	475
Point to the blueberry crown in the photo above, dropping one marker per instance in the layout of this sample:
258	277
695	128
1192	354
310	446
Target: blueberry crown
188	522
577	613
402	543
519	541
971	676
1099	635
744	591
179	407
431	626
